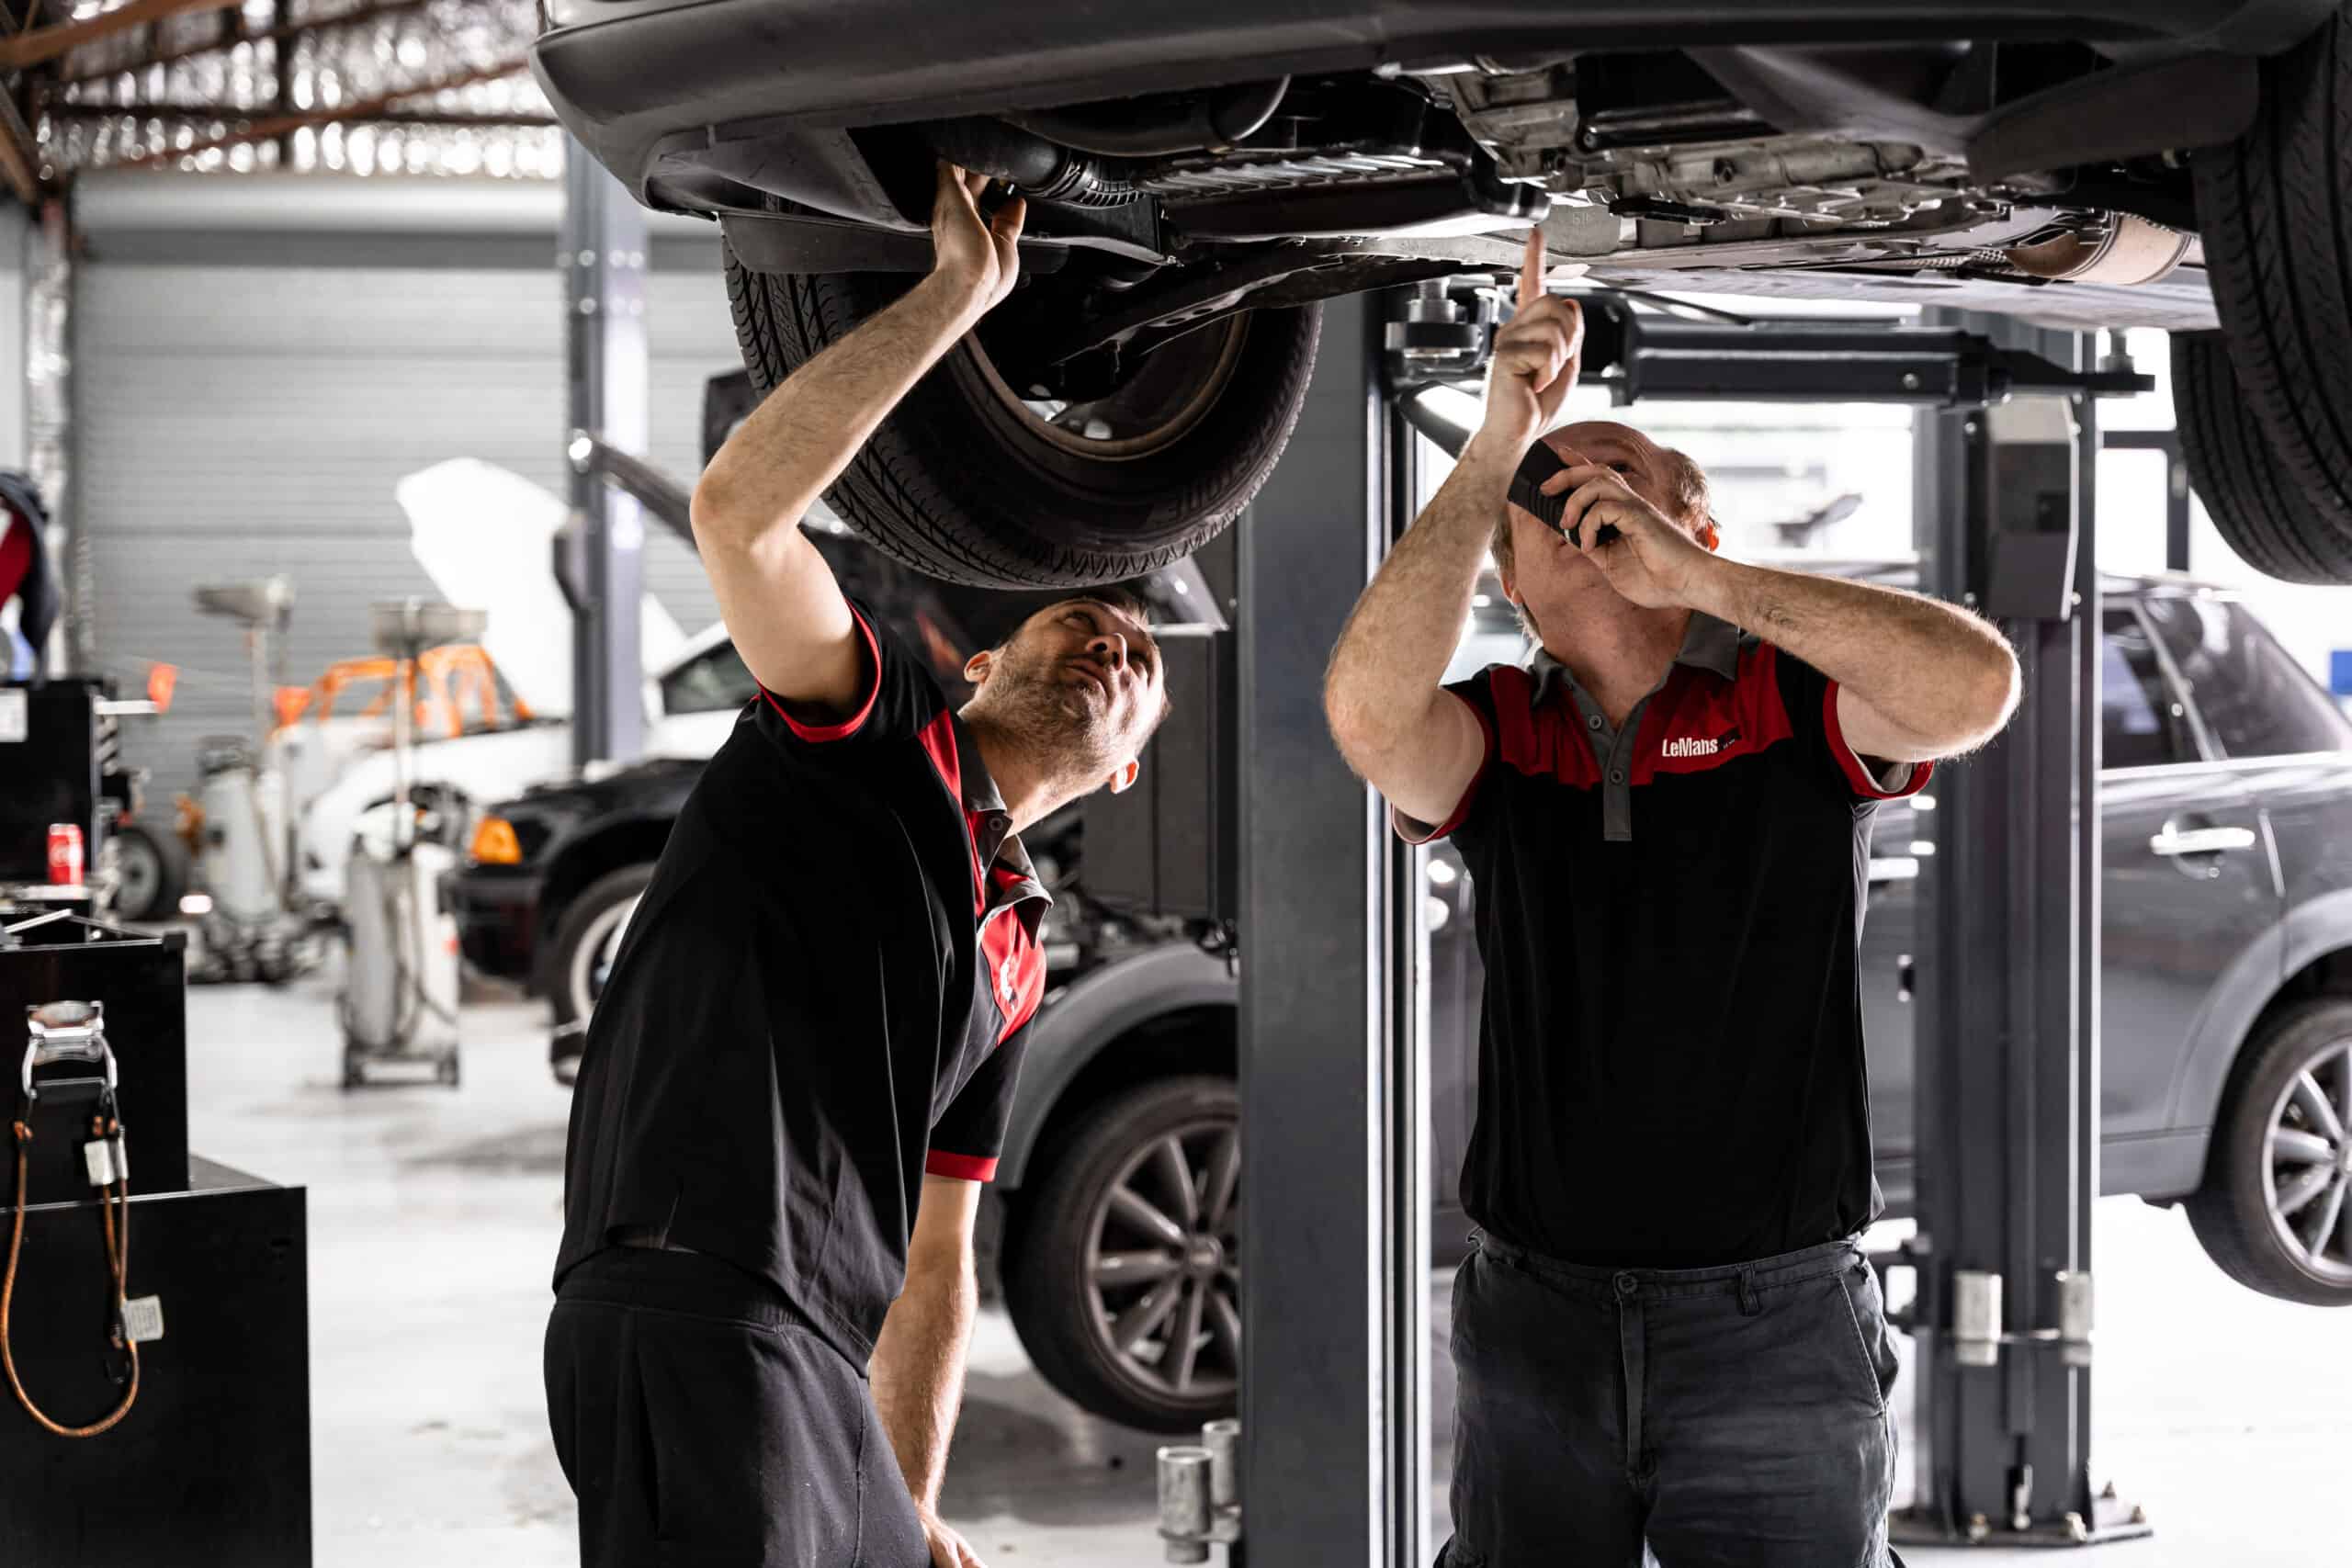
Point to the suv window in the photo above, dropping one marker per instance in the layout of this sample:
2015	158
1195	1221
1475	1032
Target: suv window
2255	699
2140	724
711	681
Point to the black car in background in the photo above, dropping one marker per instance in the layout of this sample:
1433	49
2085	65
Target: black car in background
2227	1078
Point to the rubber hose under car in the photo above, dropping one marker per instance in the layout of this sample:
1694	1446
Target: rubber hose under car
1027	162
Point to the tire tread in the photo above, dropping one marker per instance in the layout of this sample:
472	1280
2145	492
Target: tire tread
2277	228
906	491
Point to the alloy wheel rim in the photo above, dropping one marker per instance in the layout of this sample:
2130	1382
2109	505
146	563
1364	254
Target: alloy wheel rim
2306	1165
592	964
1162	1266
1149	412
138	871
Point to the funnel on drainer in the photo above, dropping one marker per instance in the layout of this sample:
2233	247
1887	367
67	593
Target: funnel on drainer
261	601
406	627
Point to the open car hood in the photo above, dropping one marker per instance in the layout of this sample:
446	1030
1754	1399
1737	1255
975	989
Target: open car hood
486	536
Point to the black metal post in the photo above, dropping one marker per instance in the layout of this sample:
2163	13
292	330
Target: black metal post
2008	1079
2175	485
1334	1315
601	253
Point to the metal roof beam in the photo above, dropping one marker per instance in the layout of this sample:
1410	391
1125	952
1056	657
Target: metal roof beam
285	33
32	47
263	128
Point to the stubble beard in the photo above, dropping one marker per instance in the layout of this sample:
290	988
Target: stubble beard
1062	723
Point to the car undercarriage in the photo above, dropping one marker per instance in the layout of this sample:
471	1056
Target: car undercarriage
1186	170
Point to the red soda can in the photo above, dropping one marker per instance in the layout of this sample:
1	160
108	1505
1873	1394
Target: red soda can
65	854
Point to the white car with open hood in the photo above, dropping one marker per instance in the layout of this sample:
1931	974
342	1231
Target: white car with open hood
485	536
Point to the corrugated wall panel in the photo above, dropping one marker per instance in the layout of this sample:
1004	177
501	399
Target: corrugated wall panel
239	420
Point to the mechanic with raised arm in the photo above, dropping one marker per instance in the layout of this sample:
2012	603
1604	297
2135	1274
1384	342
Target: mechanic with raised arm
799	1072
1667	1333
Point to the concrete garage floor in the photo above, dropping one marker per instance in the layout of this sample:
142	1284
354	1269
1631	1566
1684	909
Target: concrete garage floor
434	1218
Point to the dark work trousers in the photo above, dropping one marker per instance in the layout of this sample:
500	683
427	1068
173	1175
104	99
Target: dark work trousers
1730	1418
701	1425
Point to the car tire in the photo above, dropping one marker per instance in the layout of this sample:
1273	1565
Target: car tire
2253	1215
152	870
2274	210
967	482
586	937
1064	1222
2256	505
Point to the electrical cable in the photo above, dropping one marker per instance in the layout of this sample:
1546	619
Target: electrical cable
113	1199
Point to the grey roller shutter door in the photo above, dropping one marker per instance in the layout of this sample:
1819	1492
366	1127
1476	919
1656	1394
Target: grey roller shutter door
239	420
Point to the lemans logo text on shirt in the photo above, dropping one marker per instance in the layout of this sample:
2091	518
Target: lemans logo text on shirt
1687	747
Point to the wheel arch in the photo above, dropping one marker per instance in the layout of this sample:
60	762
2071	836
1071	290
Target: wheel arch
2308	954
610	845
1171	1009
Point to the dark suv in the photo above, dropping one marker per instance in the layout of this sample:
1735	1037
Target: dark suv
2227	1078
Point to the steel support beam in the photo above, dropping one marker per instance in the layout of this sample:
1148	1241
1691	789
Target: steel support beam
231	35
601	253
272	126
2007	1074
37	44
1333	1396
51	446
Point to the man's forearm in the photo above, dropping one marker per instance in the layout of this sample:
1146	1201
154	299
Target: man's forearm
1941	675
918	1370
1386	667
796	444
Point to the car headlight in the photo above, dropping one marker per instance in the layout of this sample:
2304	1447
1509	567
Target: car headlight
495	843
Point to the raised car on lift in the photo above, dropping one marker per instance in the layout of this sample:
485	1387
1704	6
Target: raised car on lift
1199	175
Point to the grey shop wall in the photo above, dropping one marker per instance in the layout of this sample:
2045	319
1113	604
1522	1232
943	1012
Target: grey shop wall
242	415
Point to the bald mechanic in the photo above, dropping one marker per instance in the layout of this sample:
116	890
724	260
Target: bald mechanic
1666	1334
799	1074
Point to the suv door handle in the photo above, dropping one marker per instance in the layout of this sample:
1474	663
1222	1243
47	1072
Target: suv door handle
2201	840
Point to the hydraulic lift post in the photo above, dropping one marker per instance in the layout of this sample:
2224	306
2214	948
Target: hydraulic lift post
1333	1457
2006	1080
1334	1450
600	551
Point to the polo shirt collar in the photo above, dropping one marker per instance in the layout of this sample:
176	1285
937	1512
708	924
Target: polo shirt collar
1707	644
998	846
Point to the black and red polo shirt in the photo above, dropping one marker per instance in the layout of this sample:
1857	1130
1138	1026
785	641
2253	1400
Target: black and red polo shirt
1670	1069
822	997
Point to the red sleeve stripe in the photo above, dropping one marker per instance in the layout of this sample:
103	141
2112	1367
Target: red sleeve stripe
855	721
959	1167
1412	830
1856	774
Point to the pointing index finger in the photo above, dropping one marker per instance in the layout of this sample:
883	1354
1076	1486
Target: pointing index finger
1531	268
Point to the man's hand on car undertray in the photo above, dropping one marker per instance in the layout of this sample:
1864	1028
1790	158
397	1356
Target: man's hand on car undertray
980	256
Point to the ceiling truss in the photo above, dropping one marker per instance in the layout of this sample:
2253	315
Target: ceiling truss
362	87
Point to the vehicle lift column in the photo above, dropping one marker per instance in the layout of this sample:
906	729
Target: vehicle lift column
1334	1444
599	564
2007	1076
1332	1457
